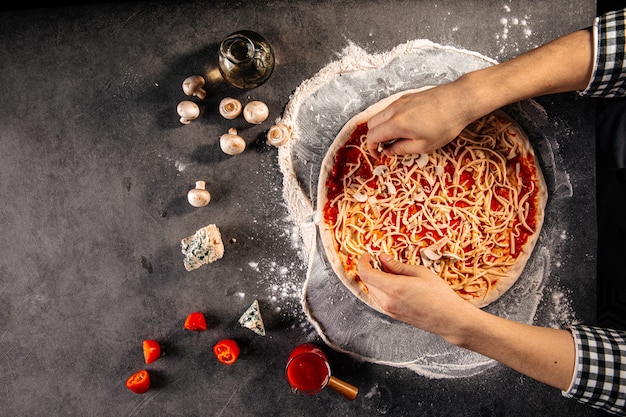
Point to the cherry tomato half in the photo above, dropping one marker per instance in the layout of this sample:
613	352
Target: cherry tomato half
151	350
226	351
195	321
139	382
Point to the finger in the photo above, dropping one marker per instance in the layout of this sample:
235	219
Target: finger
405	147
381	130
368	274
392	266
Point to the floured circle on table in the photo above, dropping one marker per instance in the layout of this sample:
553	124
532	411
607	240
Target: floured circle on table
316	112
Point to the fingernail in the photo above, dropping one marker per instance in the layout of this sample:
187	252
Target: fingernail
385	257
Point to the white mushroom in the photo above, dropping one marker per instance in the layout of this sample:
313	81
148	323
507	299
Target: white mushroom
360	196
433	252
380	170
422	161
278	134
230	108
430	254
231	143
452	256
419	195
391	189
188	111
256	112
192	86
199	196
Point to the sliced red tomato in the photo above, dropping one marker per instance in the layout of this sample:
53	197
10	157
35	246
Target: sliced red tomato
151	350
196	322
139	382
226	351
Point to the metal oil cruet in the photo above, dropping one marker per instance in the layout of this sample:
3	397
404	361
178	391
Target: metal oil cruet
246	59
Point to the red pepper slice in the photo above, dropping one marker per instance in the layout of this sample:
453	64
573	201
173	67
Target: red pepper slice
151	350
196	322
139	382
226	351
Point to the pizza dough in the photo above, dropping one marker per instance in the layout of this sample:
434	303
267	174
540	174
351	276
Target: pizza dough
480	282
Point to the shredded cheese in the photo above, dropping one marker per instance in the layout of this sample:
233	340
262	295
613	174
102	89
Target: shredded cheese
467	202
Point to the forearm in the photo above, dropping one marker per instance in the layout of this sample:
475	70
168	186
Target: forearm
565	64
544	354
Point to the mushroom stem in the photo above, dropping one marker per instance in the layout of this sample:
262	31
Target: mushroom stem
230	108
278	134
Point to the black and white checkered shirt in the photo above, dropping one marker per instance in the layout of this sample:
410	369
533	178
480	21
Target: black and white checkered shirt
600	372
609	72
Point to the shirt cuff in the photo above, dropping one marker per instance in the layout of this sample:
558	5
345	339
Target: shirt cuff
609	72
600	369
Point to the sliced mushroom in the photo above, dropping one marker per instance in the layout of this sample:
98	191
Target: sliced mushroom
230	108
278	134
199	196
256	112
188	111
192	86
391	189
380	170
452	256
430	254
422	161
231	143
360	196
419	195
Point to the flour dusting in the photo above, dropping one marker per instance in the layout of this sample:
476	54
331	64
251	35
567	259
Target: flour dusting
562	314
316	112
513	26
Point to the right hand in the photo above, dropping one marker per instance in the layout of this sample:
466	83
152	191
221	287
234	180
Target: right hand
418	122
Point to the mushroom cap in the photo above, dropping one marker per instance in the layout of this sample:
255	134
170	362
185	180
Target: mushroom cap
256	112
188	111
230	108
198	197
231	143
192	86
278	134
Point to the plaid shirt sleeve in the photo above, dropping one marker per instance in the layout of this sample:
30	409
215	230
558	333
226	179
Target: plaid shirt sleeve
600	372
609	73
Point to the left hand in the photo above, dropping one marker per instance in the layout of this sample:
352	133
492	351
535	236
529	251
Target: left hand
414	294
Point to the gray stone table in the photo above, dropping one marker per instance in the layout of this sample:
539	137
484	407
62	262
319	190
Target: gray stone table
94	172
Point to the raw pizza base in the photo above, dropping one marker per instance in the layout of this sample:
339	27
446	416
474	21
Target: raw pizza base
326	235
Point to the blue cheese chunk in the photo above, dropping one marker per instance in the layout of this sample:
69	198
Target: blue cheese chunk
204	247
252	319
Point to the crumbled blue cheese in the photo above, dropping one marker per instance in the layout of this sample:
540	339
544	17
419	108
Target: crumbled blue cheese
204	247
252	319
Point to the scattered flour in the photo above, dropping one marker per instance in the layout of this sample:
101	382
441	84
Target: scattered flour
512	26
562	314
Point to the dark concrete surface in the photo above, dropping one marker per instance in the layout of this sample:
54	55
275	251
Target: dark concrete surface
93	181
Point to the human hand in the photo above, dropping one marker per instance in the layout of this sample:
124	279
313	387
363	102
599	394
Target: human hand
414	294
418	122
